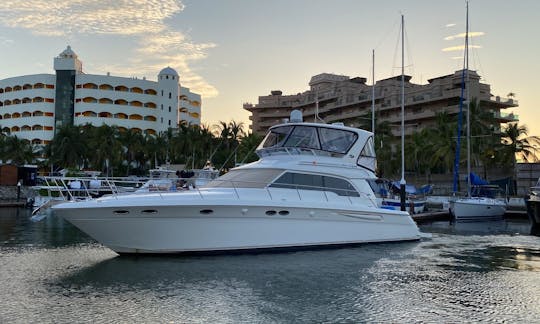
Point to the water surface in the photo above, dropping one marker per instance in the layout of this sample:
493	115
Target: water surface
51	272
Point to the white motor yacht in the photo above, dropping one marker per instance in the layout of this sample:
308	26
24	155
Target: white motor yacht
309	188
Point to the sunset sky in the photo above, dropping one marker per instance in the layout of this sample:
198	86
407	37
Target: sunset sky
233	51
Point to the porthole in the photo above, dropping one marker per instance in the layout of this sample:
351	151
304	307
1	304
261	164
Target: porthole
284	212
206	211
270	212
149	211
121	212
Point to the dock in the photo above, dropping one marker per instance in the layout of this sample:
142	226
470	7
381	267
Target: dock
9	203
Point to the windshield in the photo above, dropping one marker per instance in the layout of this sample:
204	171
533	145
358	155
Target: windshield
248	178
310	137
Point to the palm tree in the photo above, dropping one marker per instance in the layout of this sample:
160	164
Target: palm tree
442	143
18	151
517	144
69	147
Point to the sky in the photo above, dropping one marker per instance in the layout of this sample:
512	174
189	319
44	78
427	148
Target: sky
233	51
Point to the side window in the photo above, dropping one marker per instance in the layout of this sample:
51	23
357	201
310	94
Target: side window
315	182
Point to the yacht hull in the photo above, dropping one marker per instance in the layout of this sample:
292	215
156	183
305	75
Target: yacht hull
218	227
477	209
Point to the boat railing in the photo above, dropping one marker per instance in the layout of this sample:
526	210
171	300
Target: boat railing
278	192
295	151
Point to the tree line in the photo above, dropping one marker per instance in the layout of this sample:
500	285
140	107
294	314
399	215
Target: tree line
117	152
432	150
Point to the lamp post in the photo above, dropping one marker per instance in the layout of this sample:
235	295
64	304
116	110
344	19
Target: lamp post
19	190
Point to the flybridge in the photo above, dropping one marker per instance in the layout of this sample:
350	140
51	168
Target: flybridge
337	141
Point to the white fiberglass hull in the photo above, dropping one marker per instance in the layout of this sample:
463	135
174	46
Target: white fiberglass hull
478	208
195	225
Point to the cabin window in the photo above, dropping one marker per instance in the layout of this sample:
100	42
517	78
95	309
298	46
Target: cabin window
336	140
315	182
303	136
277	136
246	178
367	156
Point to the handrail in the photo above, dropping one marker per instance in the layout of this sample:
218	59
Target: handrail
303	192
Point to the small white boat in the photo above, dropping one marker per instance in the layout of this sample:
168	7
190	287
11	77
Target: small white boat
477	208
309	188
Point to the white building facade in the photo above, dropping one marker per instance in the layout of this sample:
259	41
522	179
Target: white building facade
32	106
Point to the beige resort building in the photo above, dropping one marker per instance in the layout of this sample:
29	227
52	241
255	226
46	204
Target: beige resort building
345	99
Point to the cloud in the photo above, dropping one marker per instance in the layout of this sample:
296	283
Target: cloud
450	25
5	41
158	45
462	35
459	48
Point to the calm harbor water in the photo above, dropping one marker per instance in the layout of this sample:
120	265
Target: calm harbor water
51	272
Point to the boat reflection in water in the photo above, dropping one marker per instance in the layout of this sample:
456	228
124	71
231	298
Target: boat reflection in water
309	188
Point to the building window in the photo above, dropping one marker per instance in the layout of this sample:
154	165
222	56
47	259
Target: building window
169	122
170	95
169	108
162	93
162	120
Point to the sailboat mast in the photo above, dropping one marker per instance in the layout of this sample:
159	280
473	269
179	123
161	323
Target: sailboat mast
467	88
402	182
373	92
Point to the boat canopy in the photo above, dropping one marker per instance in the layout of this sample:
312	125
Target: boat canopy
310	137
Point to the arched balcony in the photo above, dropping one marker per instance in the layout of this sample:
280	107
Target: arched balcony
16	101
37	99
37	127
135	117
26	100
16	115
194	115
105	101
121	88
49	114
7	116
150	105
48	128
137	90
121	102
90	86
38	113
49	86
39	85
7	102
26	114
122	129
89	100
121	116
6	130
150	118
27	86
150	92
182	97
183	109
15	129
17	88
1	90
105	114
136	103
8	89
150	131
89	113
195	103
135	129
36	141
25	128
106	87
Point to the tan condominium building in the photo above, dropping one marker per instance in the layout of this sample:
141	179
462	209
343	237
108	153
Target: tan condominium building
339	98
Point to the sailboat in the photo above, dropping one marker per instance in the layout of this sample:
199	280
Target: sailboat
471	208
